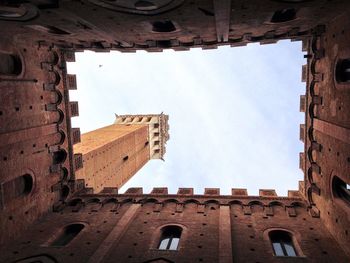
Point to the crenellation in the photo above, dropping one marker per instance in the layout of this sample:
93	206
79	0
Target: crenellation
267	192
159	191
239	191
212	191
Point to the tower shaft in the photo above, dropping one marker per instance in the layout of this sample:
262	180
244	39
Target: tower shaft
112	155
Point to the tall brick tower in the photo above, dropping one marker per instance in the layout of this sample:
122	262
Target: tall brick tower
113	154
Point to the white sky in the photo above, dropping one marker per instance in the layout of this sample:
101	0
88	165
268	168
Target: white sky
233	112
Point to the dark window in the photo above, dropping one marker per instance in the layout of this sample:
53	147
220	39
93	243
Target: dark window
125	158
163	26
10	64
156	125
282	243
170	238
17	187
59	156
342	70
67	235
284	15
341	189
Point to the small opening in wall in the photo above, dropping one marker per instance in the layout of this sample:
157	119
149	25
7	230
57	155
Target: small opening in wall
10	64
342	71
170	238
67	235
64	192
341	189
284	15
59	156
282	243
164	43
17	187
163	26
125	158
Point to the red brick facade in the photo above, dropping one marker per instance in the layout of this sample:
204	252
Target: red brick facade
112	155
40	197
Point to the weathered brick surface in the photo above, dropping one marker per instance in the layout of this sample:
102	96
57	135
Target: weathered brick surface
328	128
31	135
35	127
112	155
199	242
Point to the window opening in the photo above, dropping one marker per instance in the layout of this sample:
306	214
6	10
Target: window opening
67	235
341	189
10	64
163	26
282	243
170	238
342	71
17	187
59	156
126	158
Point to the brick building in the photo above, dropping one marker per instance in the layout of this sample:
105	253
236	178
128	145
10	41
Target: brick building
47	214
113	154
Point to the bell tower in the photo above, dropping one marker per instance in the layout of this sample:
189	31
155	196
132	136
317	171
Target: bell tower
113	154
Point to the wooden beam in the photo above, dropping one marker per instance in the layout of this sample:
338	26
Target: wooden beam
222	9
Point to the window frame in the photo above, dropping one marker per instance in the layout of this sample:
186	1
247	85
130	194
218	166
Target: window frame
157	235
295	236
283	243
171	237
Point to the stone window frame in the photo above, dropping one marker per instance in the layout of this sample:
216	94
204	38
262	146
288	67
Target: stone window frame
157	234
296	238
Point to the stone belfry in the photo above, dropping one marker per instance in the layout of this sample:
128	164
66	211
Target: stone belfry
113	154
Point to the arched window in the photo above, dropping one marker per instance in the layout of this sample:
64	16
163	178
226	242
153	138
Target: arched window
341	189
59	156
17	187
170	238
282	243
67	235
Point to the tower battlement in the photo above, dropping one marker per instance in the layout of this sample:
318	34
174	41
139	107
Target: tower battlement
184	191
158	129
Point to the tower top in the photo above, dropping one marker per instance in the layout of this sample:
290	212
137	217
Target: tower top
158	129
